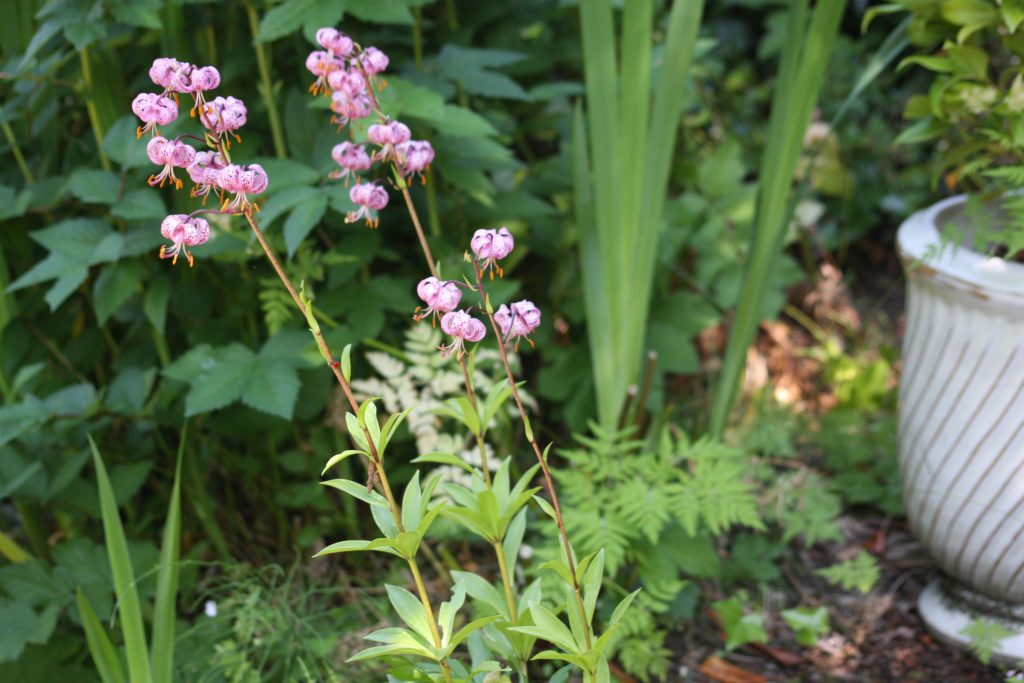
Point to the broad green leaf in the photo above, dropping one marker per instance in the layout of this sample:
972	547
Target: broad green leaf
444	459
357	490
140	205
384	545
482	590
446	613
114	286
335	459
302	220
550	628
154	302
740	628
23	625
380	11
273	388
412	503
468	630
410	610
283	19
94	186
223	380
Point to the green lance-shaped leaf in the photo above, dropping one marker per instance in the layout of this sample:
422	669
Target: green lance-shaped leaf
411	611
129	608
104	656
162	655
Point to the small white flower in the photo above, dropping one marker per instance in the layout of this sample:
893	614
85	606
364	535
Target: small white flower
526	552
210	608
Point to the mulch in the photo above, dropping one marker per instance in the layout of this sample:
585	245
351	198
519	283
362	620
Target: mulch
876	638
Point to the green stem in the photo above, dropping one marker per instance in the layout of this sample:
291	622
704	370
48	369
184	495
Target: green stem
5	384
266	86
432	620
417	37
417	225
548	482
471	395
90	106
453	15
506	581
433	217
16	150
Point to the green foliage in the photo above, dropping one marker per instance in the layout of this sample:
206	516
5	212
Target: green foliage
144	665
272	623
267	380
985	636
809	624
622	152
622	493
972	113
860	572
740	627
805	58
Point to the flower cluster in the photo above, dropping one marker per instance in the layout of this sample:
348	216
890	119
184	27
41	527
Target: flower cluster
346	71
211	170
516	321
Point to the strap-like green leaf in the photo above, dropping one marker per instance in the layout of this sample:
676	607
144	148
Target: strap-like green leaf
129	609
108	664
162	655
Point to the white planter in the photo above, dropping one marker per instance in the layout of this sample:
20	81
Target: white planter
961	423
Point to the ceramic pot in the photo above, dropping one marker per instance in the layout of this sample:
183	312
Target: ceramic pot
961	421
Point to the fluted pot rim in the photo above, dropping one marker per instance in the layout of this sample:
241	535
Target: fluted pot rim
985	277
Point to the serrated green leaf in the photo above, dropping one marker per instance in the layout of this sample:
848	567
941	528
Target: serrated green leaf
380	11
283	19
94	186
114	286
302	220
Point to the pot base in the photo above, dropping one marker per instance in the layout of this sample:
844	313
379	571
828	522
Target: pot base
948	607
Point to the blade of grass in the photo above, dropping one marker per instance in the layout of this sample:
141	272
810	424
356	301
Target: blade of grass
162	653
104	656
128	606
801	73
